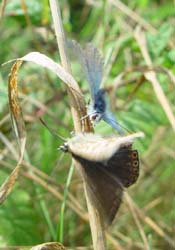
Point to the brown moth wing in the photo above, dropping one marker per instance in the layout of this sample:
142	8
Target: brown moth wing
105	190
107	179
124	165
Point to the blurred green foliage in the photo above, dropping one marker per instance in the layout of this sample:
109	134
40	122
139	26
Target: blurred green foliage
31	213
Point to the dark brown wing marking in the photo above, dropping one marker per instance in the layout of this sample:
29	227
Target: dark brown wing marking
106	180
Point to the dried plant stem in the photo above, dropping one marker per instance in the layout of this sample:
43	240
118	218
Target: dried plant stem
151	76
2	8
59	32
136	219
150	222
61	41
133	15
78	110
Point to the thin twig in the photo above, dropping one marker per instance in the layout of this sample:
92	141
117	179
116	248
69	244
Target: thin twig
128	240
2	8
134	214
151	76
133	15
114	242
151	223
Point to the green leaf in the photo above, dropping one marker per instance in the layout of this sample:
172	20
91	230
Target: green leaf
158	42
171	55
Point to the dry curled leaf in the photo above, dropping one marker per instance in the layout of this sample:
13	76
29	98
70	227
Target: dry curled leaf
7	186
18	125
49	246
15	108
45	61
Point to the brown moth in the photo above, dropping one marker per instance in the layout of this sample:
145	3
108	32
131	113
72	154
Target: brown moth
109	165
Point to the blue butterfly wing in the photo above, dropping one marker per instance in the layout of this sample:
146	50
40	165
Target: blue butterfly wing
109	118
92	65
94	68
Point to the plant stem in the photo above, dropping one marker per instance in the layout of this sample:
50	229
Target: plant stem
61	41
78	109
60	231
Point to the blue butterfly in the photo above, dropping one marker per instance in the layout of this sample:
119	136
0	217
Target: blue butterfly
92	65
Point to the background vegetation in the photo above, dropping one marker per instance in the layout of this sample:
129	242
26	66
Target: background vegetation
32	212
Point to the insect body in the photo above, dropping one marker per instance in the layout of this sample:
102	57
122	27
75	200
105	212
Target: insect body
92	64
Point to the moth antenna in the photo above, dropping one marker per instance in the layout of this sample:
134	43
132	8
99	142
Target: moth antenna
52	132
